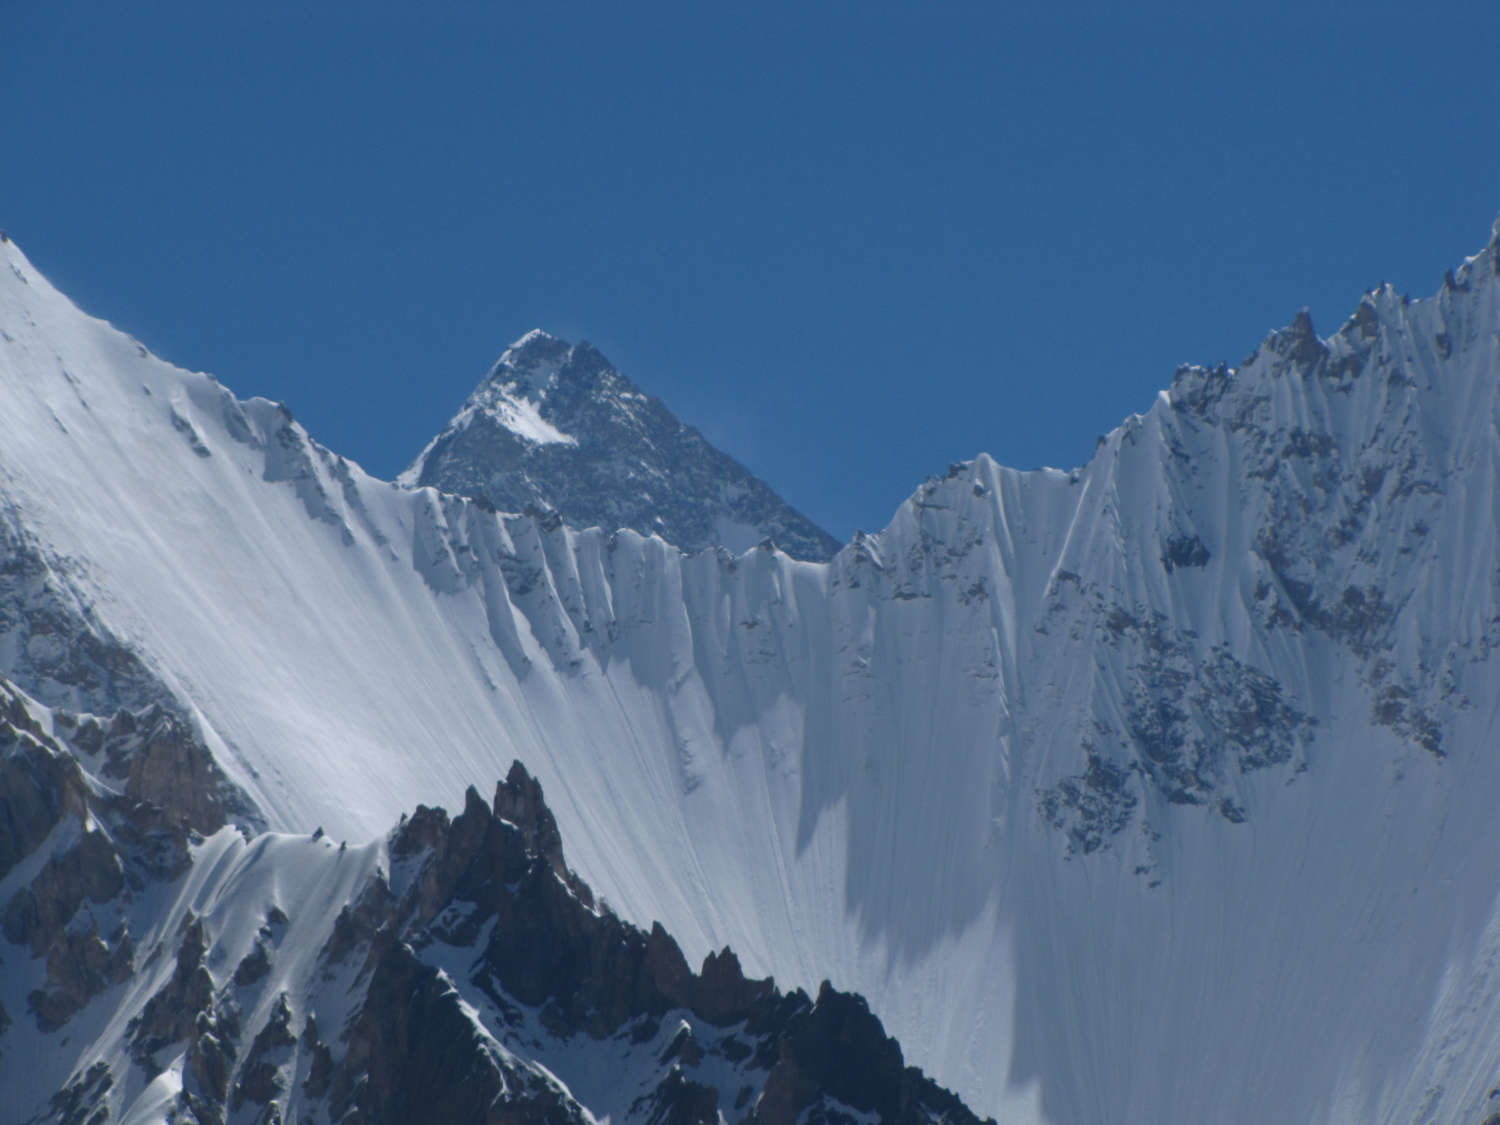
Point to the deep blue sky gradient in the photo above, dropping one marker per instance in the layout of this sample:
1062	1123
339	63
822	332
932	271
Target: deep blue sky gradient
850	242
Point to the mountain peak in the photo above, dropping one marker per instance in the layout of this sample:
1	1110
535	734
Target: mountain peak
535	349
537	336
555	425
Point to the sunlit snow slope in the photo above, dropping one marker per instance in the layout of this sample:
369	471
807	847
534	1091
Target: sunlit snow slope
1157	791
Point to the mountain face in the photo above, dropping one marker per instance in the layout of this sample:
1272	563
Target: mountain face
554	426
1160	790
454	970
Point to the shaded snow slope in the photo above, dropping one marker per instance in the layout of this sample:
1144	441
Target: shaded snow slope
554	426
1156	791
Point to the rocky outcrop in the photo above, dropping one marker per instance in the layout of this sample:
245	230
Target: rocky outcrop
491	882
260	1079
61	654
171	1014
89	847
163	763
834	1057
38	787
518	799
415	1054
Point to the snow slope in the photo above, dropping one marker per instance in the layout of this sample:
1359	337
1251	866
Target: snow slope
1155	791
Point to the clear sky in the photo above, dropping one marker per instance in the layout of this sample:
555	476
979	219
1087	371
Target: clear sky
852	243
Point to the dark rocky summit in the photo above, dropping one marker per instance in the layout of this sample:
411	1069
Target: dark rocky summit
555	427
545	965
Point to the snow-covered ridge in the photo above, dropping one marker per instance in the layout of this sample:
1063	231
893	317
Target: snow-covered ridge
1113	789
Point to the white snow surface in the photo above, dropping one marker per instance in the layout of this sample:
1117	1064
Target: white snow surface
522	417
836	768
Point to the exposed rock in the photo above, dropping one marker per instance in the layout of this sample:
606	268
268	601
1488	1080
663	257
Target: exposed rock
837	1050
38	788
518	799
210	1059
414	1055
723	995
80	965
1091	806
255	965
172	1013
320	1070
91	870
164	763
1299	343
185	427
1193	722
582	971
63	656
679	1101
835	1055
289	457
1183	551
358	923
174	770
71	912
260	1078
78	1102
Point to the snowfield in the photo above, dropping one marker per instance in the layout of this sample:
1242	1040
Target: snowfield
1161	790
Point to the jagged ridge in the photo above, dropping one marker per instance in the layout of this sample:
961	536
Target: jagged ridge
466	954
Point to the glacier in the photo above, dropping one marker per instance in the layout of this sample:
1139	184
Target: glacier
1158	790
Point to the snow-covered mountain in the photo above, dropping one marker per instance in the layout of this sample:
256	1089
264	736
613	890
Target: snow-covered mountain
1159	790
554	426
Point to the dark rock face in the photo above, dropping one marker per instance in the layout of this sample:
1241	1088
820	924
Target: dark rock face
580	972
38	788
680	1101
415	1055
1193	722
170	1015
164	764
606	454
260	1080
71	913
62	655
1183	551
835	1051
79	967
518	799
1092	806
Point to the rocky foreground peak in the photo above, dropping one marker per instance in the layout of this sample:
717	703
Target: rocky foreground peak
555	426
460	972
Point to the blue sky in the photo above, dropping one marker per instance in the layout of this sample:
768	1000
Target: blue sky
852	243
